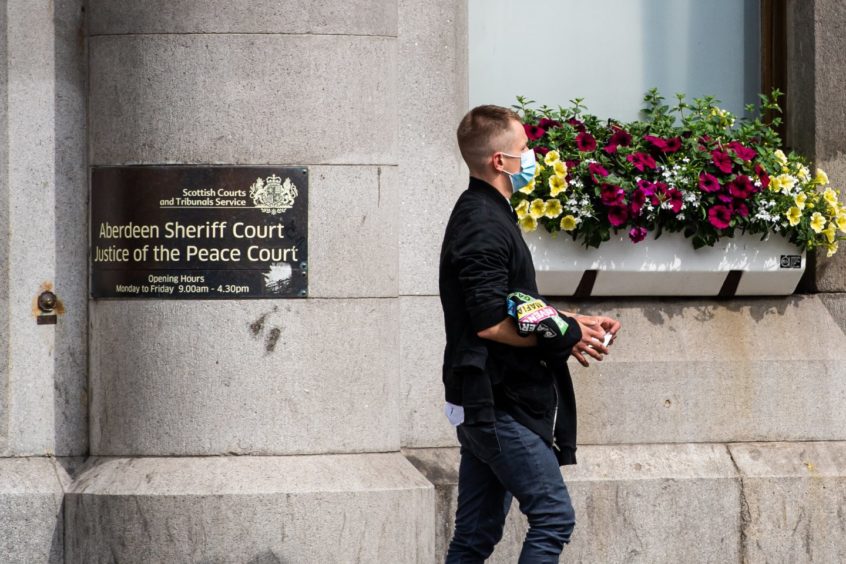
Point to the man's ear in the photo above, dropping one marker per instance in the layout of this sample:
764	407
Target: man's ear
496	162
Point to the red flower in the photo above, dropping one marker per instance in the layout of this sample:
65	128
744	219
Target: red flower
597	171
674	196
763	176
656	142
641	161
618	215
719	216
646	186
585	142
673	144
637	234
745	153
534	132
638	200
619	137
541	150
741	187
547	123
721	160
708	182
611	195
577	125
723	197
741	209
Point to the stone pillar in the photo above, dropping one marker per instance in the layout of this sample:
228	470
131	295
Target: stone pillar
816	51
43	240
198	407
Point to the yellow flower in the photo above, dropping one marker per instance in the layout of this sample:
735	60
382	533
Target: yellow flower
802	172
551	158
536	208
557	184
830	232
841	222
832	248
783	182
830	197
560	169
821	178
799	200
817	222
793	215
528	188
780	156
538	169
528	223
568	223
552	209
725	117
522	209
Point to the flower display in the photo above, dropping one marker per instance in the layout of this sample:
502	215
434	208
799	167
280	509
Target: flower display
692	168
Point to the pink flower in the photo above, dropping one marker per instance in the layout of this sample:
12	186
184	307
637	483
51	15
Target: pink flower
637	234
741	209
585	142
597	171
641	161
719	216
611	195
721	160
674	196
577	125
762	176
656	142
650	190
745	153
547	123
637	201
708	182
619	137
534	132
673	145
618	215
741	187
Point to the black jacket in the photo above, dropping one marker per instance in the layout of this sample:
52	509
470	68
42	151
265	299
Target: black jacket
483	258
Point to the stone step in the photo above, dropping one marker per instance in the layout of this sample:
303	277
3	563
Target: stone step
372	507
670	503
31	493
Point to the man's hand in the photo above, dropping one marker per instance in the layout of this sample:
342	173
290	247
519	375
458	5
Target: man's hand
593	329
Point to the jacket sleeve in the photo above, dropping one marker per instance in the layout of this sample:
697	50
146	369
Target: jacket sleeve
481	259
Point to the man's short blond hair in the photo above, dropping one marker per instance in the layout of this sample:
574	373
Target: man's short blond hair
483	131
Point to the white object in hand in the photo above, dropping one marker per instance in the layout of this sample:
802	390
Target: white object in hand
607	339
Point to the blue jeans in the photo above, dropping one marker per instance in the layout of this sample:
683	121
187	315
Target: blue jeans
502	460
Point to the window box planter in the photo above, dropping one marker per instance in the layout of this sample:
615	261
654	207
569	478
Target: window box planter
743	265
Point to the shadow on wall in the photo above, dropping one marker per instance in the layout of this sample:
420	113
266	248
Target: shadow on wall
660	310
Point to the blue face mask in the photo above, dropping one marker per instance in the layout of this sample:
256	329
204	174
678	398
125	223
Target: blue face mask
527	169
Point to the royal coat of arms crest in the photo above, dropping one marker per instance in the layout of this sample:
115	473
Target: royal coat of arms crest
273	196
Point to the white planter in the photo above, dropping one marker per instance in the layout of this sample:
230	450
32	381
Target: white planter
668	266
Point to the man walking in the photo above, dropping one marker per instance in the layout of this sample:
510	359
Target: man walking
499	381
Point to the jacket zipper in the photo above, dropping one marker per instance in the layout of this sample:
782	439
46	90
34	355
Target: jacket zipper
555	415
